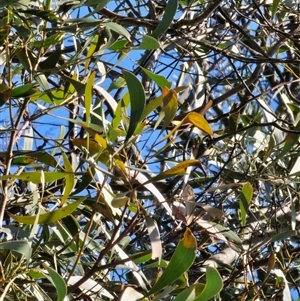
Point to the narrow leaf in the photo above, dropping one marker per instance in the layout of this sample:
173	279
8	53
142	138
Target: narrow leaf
180	262
142	179
119	29
167	18
198	121
154	238
246	197
213	285
69	179
160	80
49	217
35	177
190	293
137	101
274	7
179	169
88	96
58	282
151	106
170	106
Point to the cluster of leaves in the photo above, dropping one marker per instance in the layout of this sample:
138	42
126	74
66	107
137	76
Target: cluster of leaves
150	150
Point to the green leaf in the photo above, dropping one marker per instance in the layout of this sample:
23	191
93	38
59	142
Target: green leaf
35	176
58	282
46	15
274	7
20	246
160	80
80	87
23	31
23	91
228	233
49	217
151	106
167	18
282	236
91	51
69	179
148	43
118	28
117	84
88	96
246	197
50	41
23	160
137	101
50	62
290	141
120	45
182	259
45	158
190	293
213	286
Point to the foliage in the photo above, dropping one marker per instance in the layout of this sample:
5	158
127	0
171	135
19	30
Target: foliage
150	150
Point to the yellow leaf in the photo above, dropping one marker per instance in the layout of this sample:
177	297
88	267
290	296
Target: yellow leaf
170	105
198	121
179	169
189	240
179	89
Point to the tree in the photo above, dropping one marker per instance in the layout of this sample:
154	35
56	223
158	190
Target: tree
150	150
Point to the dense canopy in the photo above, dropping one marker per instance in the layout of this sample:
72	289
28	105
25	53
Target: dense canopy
149	150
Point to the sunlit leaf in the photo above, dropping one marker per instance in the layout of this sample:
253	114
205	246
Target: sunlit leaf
274	7
91	286
49	217
183	257
246	197
91	51
170	106
148	43
88	96
151	106
23	91
190	293
130	294
69	179
198	121
213	286
35	177
160	80
179	169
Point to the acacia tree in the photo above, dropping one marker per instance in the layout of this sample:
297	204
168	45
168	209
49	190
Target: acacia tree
150	150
